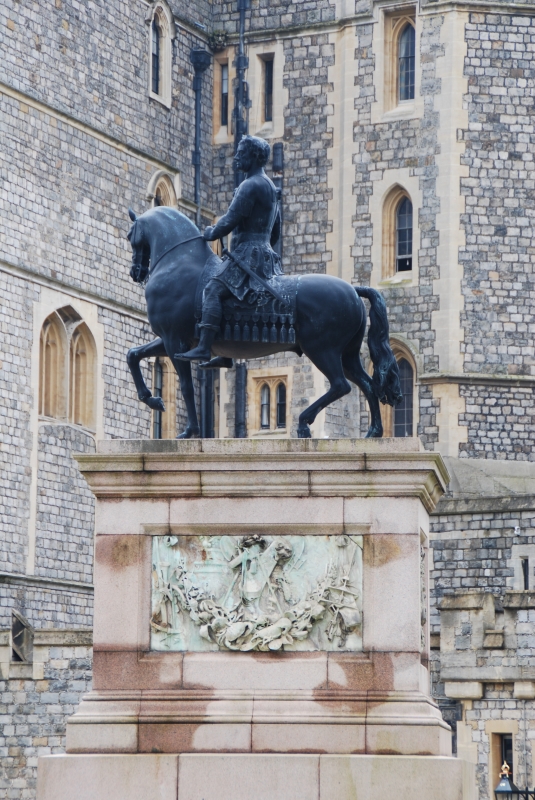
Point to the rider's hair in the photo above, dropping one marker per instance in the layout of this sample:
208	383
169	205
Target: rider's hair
258	147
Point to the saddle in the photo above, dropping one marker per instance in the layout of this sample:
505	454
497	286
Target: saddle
266	319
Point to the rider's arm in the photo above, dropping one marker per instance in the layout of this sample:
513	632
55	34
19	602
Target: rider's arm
276	230
241	207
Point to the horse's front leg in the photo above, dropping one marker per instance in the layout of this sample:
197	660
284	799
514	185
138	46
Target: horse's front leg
133	357
185	377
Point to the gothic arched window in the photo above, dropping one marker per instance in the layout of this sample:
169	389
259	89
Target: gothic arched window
52	368
265	406
404	236
406	62
67	369
82	378
403	413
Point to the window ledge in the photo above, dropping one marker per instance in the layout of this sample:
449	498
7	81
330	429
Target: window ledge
266	131
281	432
65	422
404	110
223	136
164	101
397	280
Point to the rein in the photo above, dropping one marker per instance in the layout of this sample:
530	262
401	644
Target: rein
185	241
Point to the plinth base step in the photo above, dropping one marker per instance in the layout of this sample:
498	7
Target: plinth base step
264	777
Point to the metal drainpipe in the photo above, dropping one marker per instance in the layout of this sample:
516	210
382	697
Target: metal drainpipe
200	60
278	179
240	401
241	95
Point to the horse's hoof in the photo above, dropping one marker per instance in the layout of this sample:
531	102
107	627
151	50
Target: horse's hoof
190	433
156	403
303	432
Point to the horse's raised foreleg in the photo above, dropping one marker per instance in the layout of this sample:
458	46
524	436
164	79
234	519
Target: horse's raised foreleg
330	363
133	357
183	369
356	373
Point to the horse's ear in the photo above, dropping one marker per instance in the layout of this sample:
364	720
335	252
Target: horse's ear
132	215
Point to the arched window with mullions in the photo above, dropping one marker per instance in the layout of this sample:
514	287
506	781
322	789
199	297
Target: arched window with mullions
404	236
265	407
68	370
406	63
403	413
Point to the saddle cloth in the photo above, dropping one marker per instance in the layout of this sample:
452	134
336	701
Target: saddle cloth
264	320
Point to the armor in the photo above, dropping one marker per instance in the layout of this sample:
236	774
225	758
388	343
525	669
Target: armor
253	218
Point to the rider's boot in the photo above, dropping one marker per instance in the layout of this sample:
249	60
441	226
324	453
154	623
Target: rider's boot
203	351
219	362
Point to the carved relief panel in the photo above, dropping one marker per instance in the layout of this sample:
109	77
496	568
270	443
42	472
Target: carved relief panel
267	593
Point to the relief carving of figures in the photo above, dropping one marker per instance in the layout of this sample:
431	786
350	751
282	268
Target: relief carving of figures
257	593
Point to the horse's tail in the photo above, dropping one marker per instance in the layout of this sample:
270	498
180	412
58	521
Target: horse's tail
385	380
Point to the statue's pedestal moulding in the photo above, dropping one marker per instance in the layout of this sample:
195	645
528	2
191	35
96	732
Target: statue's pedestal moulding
260	625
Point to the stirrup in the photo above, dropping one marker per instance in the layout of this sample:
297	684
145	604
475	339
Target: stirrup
193	355
219	362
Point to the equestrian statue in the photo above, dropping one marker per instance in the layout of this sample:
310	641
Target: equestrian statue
212	310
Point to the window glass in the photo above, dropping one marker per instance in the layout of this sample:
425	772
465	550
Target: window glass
157	391
50	370
507	752
265	403
407	43
403	412
224	94
281	405
268	91
155	57
404	236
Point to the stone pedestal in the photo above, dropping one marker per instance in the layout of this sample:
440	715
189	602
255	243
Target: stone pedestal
260	626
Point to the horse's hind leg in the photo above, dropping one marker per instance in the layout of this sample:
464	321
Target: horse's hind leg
356	373
133	357
183	369
330	363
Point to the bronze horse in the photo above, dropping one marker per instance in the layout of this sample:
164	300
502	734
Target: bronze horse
169	254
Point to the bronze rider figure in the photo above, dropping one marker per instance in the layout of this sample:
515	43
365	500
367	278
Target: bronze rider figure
254	219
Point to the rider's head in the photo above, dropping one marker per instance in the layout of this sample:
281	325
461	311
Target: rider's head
255	149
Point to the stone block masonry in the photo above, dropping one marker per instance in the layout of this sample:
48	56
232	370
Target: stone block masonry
33	711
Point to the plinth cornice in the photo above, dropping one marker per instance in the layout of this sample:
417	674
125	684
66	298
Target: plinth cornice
276	468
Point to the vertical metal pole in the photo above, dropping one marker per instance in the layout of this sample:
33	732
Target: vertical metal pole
278	179
241	95
200	60
206	391
240	401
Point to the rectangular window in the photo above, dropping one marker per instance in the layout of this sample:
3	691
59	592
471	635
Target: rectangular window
224	94
506	743
268	90
525	574
403	412
155	58
407	42
404	236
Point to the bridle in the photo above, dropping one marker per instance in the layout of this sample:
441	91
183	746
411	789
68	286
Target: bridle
169	249
141	273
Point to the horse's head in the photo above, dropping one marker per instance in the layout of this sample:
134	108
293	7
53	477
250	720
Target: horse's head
140	250
387	383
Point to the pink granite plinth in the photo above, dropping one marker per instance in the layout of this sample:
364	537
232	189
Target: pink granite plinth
284	724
